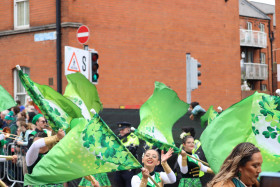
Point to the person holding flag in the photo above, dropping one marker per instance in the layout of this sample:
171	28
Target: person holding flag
41	145
150	160
40	123
189	166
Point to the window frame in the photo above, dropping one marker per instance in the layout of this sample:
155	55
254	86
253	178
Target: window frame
16	79
262	27
249	26
263	58
16	26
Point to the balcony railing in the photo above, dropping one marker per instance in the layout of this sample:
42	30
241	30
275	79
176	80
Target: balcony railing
253	38
254	71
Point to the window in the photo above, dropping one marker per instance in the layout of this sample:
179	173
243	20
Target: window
262	27
249	26
249	57
19	90
263	87
262	58
21	14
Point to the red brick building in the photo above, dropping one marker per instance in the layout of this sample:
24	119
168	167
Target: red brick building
257	41
139	42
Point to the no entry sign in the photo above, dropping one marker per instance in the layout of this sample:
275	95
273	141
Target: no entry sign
83	34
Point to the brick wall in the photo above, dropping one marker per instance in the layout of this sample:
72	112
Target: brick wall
139	42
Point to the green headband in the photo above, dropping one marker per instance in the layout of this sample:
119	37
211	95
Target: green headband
35	118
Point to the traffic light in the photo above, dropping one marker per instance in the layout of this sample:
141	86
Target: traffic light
94	67
195	73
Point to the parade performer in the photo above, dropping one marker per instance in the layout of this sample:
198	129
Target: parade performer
40	147
131	142
40	123
191	132
190	167
241	168
150	160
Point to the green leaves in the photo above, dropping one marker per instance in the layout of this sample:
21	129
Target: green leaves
270	133
256	131
104	144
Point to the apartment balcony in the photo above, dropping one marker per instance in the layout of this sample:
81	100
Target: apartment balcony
253	38
254	71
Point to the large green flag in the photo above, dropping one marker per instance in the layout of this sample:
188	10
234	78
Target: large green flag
158	115
55	107
83	93
6	100
89	148
254	119
209	116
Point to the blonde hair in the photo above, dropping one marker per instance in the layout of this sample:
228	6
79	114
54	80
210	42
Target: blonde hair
239	156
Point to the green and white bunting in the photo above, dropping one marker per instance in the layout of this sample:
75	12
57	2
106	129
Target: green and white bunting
83	93
254	119
89	148
55	107
158	115
6	100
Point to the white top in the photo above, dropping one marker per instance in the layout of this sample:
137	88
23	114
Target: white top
169	178
184	169
33	152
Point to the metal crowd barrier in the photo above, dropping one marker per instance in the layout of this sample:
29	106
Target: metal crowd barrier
14	171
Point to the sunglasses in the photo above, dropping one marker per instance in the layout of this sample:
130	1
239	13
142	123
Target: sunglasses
43	121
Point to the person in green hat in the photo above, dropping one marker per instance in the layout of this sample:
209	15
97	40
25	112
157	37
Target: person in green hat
40	123
9	118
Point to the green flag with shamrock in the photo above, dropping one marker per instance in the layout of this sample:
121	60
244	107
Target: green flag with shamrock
209	116
254	119
56	108
158	115
89	148
6	100
83	93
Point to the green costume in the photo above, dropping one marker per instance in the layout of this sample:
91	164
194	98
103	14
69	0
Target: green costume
191	178
102	178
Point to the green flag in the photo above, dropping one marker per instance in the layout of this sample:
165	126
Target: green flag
89	148
83	93
6	100
56	108
158	115
254	119
209	116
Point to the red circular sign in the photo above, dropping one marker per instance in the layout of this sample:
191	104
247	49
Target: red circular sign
83	34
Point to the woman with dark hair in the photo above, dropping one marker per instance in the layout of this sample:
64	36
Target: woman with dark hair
240	169
196	110
150	160
190	167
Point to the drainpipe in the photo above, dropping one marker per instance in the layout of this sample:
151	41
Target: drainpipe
271	39
58	46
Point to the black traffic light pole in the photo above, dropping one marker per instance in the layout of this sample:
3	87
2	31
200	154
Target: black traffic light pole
58	46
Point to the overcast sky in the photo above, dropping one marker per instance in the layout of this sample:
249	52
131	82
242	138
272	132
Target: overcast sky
271	2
